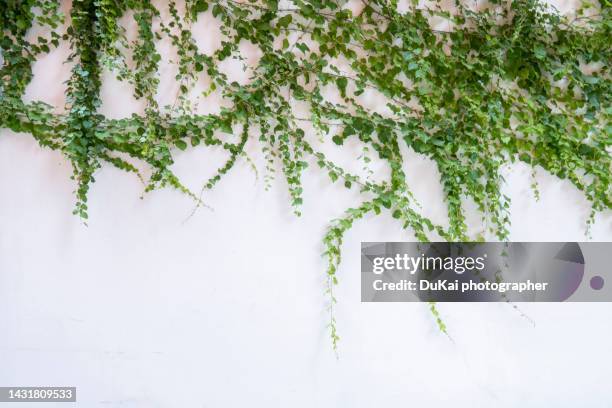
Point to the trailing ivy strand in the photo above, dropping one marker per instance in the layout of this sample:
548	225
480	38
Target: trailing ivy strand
504	82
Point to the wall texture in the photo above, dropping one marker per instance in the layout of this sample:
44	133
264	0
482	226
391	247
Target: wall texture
148	307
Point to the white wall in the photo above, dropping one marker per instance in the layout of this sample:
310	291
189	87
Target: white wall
143	309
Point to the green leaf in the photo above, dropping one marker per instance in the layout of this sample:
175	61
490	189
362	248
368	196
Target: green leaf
200	6
342	83
284	21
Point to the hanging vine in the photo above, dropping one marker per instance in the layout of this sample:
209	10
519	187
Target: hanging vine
505	82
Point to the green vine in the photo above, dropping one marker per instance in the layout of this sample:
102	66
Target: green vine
511	81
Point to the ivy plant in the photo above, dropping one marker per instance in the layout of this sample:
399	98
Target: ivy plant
505	82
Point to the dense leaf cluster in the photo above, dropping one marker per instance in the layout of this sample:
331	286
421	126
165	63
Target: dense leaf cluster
504	82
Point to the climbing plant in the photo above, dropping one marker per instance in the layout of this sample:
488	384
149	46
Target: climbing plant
503	82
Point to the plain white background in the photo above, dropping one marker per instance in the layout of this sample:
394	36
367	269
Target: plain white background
227	309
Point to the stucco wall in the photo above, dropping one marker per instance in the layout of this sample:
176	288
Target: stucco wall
143	308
